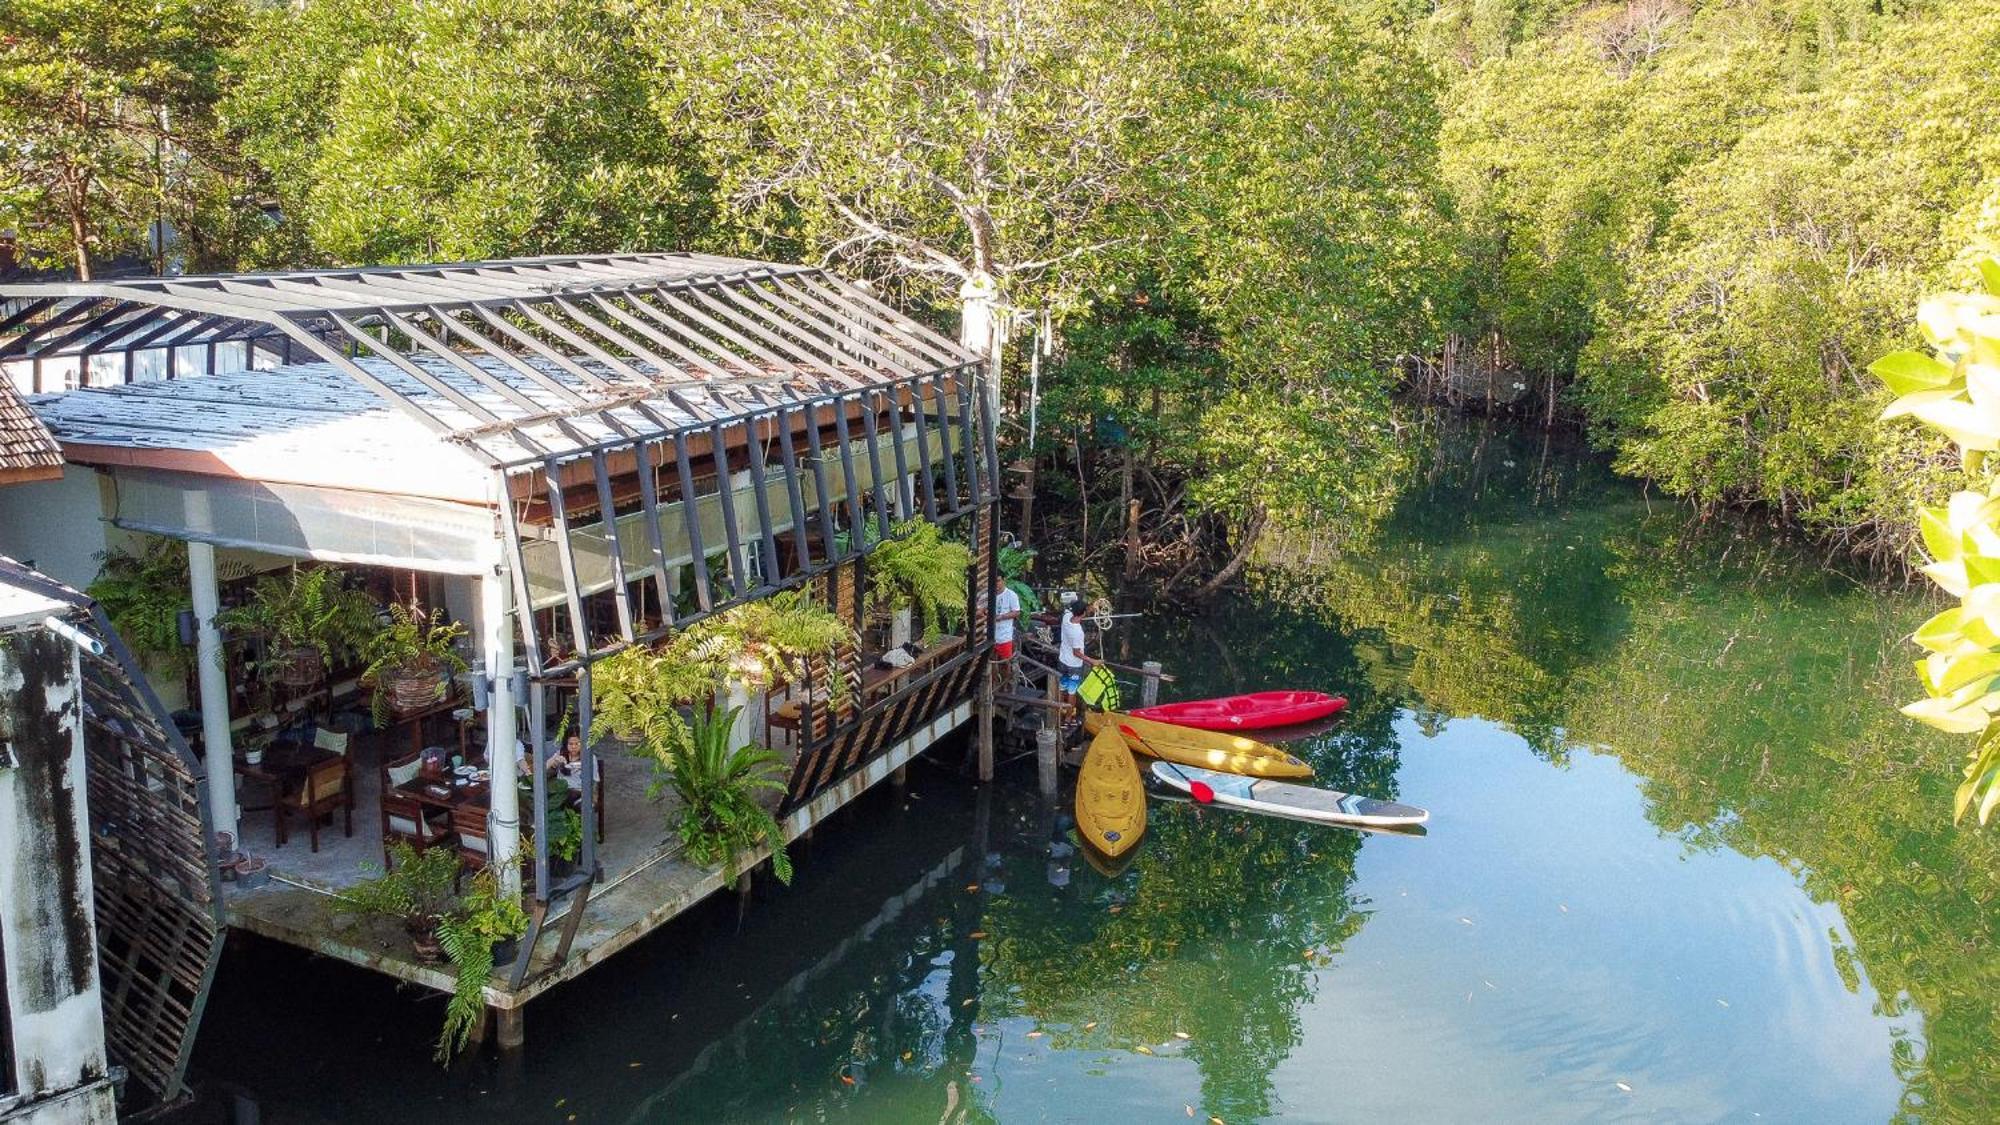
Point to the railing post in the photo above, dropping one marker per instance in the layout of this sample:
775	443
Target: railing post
1149	683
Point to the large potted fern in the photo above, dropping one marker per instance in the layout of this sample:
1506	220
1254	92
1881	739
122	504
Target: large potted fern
478	933
144	595
409	660
309	620
717	780
917	568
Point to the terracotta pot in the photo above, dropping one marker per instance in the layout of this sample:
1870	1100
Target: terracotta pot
412	687
428	948
301	667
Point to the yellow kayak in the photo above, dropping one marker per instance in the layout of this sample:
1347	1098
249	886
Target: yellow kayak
1208	749
1110	797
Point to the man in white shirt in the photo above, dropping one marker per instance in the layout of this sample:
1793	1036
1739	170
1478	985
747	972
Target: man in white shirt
1069	648
1006	611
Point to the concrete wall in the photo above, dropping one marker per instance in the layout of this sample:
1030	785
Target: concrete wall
48	938
58	526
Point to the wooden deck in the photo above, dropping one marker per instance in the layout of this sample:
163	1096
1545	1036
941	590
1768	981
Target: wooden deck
645	882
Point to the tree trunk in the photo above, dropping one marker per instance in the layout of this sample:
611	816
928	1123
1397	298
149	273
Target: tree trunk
1252	529
1130	504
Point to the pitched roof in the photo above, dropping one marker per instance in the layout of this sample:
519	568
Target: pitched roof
27	451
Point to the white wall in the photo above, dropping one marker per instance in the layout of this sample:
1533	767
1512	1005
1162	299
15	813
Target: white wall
47	932
57	526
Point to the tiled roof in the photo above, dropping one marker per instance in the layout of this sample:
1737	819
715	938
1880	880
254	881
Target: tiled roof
27	452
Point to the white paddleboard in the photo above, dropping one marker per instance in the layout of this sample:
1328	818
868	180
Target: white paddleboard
1283	798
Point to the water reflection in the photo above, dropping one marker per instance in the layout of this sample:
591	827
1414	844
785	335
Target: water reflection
1685	863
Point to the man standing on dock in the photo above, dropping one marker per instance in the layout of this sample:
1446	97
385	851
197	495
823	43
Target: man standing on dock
1069	649
1006	611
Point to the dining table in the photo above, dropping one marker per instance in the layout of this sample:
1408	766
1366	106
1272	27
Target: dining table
283	765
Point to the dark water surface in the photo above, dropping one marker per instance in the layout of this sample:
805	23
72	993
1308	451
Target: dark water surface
1685	863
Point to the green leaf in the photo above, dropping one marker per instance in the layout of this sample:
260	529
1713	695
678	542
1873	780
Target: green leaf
1943	631
1989	272
1939	540
1940	713
1981	570
1907	372
1965	669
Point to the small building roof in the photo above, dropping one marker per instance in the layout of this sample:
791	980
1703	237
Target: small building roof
27	450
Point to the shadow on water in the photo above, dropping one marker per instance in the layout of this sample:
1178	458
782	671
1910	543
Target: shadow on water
1685	863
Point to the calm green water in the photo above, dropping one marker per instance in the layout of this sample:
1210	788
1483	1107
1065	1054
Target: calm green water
1685	864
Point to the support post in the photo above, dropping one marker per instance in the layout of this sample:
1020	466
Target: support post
503	744
985	734
209	672
512	1027
1045	760
1149	683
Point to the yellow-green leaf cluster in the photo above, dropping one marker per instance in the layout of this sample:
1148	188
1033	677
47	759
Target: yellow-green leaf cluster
1953	386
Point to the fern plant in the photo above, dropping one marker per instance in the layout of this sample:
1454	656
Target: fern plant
144	596
311	610
486	915
918	567
718	782
406	657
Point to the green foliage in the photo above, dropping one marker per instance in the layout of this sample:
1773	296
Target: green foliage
310	608
420	891
918	568
412	640
1953	387
485	916
638	694
1704	218
1015	562
718	782
144	596
107	123
408	131
417	889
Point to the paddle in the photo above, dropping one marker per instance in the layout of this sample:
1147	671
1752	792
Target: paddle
1199	790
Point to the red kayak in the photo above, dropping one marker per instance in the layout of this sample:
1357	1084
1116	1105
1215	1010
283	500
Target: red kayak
1255	711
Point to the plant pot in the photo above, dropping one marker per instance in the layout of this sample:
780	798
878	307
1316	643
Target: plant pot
252	872
425	943
411	687
301	667
505	952
253	758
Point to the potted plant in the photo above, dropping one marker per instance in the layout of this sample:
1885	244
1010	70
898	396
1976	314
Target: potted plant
480	932
416	890
409	658
308	620
717	781
144	596
917	568
252	872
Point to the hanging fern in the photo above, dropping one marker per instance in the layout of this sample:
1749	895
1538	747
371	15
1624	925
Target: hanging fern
485	915
920	568
144	596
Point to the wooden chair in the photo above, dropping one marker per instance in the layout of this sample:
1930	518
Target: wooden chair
326	738
405	819
324	792
470	825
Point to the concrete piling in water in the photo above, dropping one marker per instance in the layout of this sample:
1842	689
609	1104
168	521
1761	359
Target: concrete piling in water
1046	760
513	1028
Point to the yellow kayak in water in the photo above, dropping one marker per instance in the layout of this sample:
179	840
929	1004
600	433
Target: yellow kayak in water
1110	797
1208	749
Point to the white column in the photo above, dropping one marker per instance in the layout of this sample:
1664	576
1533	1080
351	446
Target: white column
209	672
502	742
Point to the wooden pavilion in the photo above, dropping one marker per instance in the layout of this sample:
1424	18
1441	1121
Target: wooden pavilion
588	452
